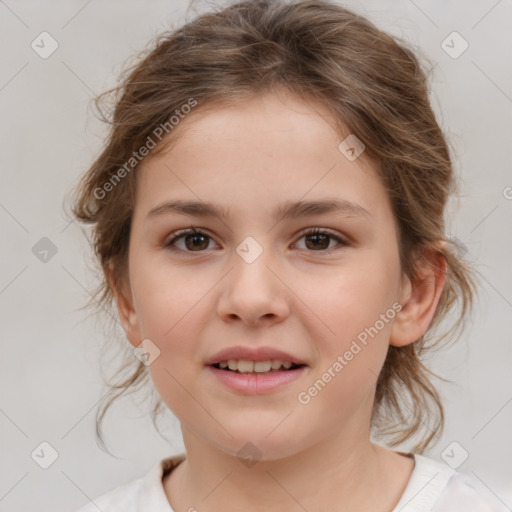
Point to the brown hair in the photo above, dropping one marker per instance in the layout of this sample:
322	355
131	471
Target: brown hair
371	82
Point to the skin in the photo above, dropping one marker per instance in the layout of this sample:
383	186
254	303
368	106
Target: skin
295	296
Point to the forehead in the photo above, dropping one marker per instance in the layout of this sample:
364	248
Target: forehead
269	121
269	149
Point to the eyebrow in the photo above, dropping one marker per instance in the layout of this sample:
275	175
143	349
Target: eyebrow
286	210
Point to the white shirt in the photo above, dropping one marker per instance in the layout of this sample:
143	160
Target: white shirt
432	487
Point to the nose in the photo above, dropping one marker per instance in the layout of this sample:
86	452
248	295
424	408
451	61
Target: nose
254	293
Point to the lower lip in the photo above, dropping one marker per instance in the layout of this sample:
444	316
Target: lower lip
254	384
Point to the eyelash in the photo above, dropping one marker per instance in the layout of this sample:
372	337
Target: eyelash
311	231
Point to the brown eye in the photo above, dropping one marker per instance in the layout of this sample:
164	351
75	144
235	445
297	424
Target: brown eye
196	241
191	241
319	240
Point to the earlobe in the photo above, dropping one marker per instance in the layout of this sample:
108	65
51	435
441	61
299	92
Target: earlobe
419	300
125	308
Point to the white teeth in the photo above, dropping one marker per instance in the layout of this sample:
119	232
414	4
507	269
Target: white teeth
244	366
262	366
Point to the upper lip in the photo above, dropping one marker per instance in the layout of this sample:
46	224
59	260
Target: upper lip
252	354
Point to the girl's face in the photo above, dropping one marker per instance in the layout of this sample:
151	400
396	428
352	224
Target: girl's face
256	279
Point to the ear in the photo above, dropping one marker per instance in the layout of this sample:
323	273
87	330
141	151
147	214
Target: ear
419	299
125	308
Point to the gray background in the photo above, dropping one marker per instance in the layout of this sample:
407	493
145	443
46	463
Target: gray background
50	365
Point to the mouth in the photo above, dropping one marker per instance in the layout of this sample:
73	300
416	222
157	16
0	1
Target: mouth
268	367
256	377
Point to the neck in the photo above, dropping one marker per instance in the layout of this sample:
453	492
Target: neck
331	474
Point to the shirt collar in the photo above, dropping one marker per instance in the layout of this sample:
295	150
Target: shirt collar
152	495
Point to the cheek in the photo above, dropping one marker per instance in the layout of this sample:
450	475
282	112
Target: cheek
175	325
357	313
170	309
354	298
165	296
172	380
172	301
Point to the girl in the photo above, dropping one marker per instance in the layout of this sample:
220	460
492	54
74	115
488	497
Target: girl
268	214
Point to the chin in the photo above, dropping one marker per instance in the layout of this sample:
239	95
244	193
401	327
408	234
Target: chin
255	446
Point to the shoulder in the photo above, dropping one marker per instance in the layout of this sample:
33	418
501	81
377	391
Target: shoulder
142	494
122	498
434	486
461	494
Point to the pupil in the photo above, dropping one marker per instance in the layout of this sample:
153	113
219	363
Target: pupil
316	237
195	239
